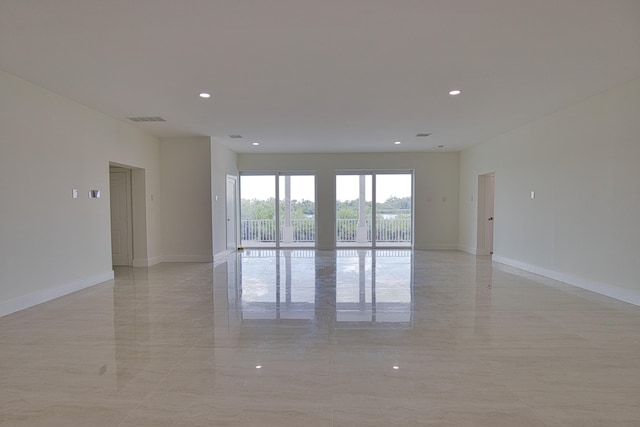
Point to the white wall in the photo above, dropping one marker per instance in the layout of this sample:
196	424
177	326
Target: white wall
185	166
223	162
436	177
51	244
583	163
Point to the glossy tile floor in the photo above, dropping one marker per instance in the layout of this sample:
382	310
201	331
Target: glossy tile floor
324	338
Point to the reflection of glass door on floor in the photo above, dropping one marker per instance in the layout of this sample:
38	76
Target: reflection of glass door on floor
373	286
277	285
374	209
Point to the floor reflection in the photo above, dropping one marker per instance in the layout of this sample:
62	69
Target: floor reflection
323	338
131	325
352	287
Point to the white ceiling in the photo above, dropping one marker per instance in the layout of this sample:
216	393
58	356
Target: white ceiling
324	75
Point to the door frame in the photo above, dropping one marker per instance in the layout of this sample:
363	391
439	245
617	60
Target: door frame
374	173
486	206
234	214
276	175
128	212
139	205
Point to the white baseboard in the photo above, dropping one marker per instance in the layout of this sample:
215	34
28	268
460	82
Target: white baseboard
187	258
147	262
437	248
612	291
29	300
467	249
171	258
217	258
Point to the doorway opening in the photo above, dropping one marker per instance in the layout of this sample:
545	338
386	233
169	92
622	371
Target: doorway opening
128	214
486	222
232	212
374	209
121	216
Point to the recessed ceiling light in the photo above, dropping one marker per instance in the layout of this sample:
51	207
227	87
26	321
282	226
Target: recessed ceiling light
397	143
455	92
258	366
205	95
255	143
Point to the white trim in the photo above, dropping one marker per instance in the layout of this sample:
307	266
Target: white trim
147	262
187	258
30	300
606	289
467	249
429	248
140	263
217	258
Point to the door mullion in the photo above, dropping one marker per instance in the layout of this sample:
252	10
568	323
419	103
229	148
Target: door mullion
374	221
277	182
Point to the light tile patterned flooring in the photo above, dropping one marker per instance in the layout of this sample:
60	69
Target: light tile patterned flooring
324	338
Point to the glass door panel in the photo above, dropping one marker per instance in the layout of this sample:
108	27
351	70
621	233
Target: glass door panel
353	210
393	209
297	194
258	210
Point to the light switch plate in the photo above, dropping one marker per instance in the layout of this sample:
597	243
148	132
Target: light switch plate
74	193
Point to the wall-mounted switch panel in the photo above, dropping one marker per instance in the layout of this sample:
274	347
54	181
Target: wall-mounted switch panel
533	194
74	193
94	194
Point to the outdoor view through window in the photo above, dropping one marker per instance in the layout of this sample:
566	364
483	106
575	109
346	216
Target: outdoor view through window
290	221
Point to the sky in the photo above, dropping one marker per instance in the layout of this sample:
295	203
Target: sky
262	187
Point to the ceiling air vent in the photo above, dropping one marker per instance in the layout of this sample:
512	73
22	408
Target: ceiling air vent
146	119
235	136
422	135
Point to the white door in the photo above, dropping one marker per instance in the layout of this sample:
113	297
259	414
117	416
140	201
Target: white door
232	213
121	235
489	212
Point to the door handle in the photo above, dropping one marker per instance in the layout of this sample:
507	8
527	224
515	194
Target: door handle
491	219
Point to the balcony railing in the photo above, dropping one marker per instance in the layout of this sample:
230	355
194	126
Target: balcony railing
387	230
264	230
393	230
303	230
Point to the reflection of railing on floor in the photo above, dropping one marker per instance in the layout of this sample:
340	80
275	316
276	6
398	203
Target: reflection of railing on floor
379	253
272	253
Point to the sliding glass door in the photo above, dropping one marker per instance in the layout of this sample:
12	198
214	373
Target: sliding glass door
258	210
278	210
354	210
297	195
374	209
394	204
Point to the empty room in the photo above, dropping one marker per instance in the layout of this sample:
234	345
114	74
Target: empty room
338	213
